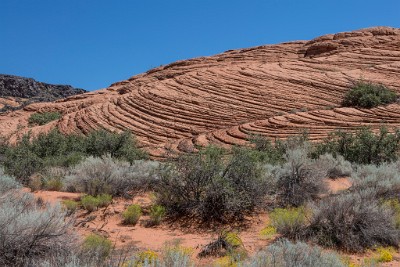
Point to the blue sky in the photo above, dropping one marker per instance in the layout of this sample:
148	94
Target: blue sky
91	44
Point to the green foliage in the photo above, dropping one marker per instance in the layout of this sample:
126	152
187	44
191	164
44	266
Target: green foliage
363	146
157	213
268	232
211	188
70	205
289	222
227	243
385	254
90	203
368	95
132	214
43	118
122	146
97	245
266	151
32	154
104	200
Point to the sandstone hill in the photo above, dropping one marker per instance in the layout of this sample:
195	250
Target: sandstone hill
16	92
275	90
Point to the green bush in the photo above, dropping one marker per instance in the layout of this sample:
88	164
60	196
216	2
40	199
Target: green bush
289	222
132	214
43	118
90	203
104	200
122	146
368	95
362	147
157	213
210	188
70	205
32	154
97	245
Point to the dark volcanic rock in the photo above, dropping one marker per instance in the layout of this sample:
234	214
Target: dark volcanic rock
28	90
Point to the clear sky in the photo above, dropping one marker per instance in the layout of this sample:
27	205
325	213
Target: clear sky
93	43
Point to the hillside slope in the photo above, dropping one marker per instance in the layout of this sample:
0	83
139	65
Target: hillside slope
16	92
223	98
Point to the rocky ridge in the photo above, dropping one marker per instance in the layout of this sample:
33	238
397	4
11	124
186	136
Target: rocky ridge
16	92
275	90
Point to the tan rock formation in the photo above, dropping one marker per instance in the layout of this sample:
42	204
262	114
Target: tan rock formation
223	98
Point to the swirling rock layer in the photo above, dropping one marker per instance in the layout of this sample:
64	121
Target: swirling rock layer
275	90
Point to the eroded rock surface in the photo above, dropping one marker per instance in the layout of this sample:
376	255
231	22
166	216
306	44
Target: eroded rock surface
274	90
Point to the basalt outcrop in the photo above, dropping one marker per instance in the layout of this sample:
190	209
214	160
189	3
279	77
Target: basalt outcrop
17	92
273	90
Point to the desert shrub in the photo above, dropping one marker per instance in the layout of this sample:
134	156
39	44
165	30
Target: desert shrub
43	118
104	200
227	244
206	186
394	204
368	95
362	147
52	178
176	255
21	162
30	232
289	222
157	213
226	261
7	183
70	205
110	176
90	203
300	179
385	254
337	167
132	214
284	253
96	247
268	232
123	146
266	151
32	153
353	222
383	180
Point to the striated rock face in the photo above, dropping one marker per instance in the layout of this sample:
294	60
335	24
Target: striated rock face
20	90
274	90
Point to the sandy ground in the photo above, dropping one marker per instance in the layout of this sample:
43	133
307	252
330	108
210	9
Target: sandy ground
108	222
